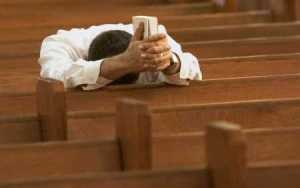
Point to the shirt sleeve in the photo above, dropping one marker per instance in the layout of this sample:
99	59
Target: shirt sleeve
62	57
190	68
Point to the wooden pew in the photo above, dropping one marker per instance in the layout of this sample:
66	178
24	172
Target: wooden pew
96	125
210	91
205	49
57	159
65	158
213	68
235	32
243	47
273	175
112	2
100	9
170	21
282	10
263	144
285	10
174	120
227	166
181	35
249	66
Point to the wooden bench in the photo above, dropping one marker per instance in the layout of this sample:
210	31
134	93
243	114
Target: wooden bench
170	21
47	10
243	47
207	49
112	2
282	10
26	80
235	32
234	68
57	159
92	125
285	10
105	100
180	35
215	68
210	91
190	118
274	175
227	166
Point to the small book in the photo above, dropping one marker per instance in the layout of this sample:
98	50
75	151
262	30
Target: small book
150	25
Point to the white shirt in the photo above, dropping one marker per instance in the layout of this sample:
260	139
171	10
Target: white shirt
63	57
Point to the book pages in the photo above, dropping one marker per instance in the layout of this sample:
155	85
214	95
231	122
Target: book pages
150	25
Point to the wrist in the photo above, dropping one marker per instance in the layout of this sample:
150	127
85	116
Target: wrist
129	65
174	66
124	63
114	67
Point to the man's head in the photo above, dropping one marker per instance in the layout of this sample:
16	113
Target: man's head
109	44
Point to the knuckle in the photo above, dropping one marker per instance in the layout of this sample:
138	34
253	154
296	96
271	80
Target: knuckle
157	59
156	50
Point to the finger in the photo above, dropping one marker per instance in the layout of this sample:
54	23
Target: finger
158	67
145	46
139	33
159	49
156	57
155	38
167	57
163	65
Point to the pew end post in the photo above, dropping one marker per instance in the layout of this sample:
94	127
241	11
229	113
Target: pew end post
51	109
133	125
226	155
285	10
227	5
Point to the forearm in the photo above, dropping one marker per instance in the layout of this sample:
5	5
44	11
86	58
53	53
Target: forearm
174	68
115	67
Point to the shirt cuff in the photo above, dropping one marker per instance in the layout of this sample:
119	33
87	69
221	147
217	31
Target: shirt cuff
99	81
175	80
190	69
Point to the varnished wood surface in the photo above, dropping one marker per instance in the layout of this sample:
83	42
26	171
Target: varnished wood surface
210	91
226	151
193	118
187	150
276	175
166	121
35	33
206	49
244	47
169	21
57	159
212	68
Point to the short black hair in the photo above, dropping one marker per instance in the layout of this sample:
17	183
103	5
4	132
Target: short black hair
109	44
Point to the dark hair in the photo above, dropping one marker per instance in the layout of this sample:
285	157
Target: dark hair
108	44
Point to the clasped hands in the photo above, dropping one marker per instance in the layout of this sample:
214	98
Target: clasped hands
151	54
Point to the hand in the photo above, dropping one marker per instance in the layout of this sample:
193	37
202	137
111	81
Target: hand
157	52
152	54
140	56
134	56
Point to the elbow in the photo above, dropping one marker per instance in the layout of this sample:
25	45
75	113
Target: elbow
190	67
48	73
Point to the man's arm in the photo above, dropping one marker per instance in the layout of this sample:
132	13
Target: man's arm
189	66
186	68
62	57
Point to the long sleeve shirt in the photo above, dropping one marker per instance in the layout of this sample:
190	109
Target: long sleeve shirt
63	57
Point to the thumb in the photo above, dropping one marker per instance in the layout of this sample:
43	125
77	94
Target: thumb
139	33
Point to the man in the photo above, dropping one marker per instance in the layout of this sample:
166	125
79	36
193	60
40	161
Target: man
108	54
